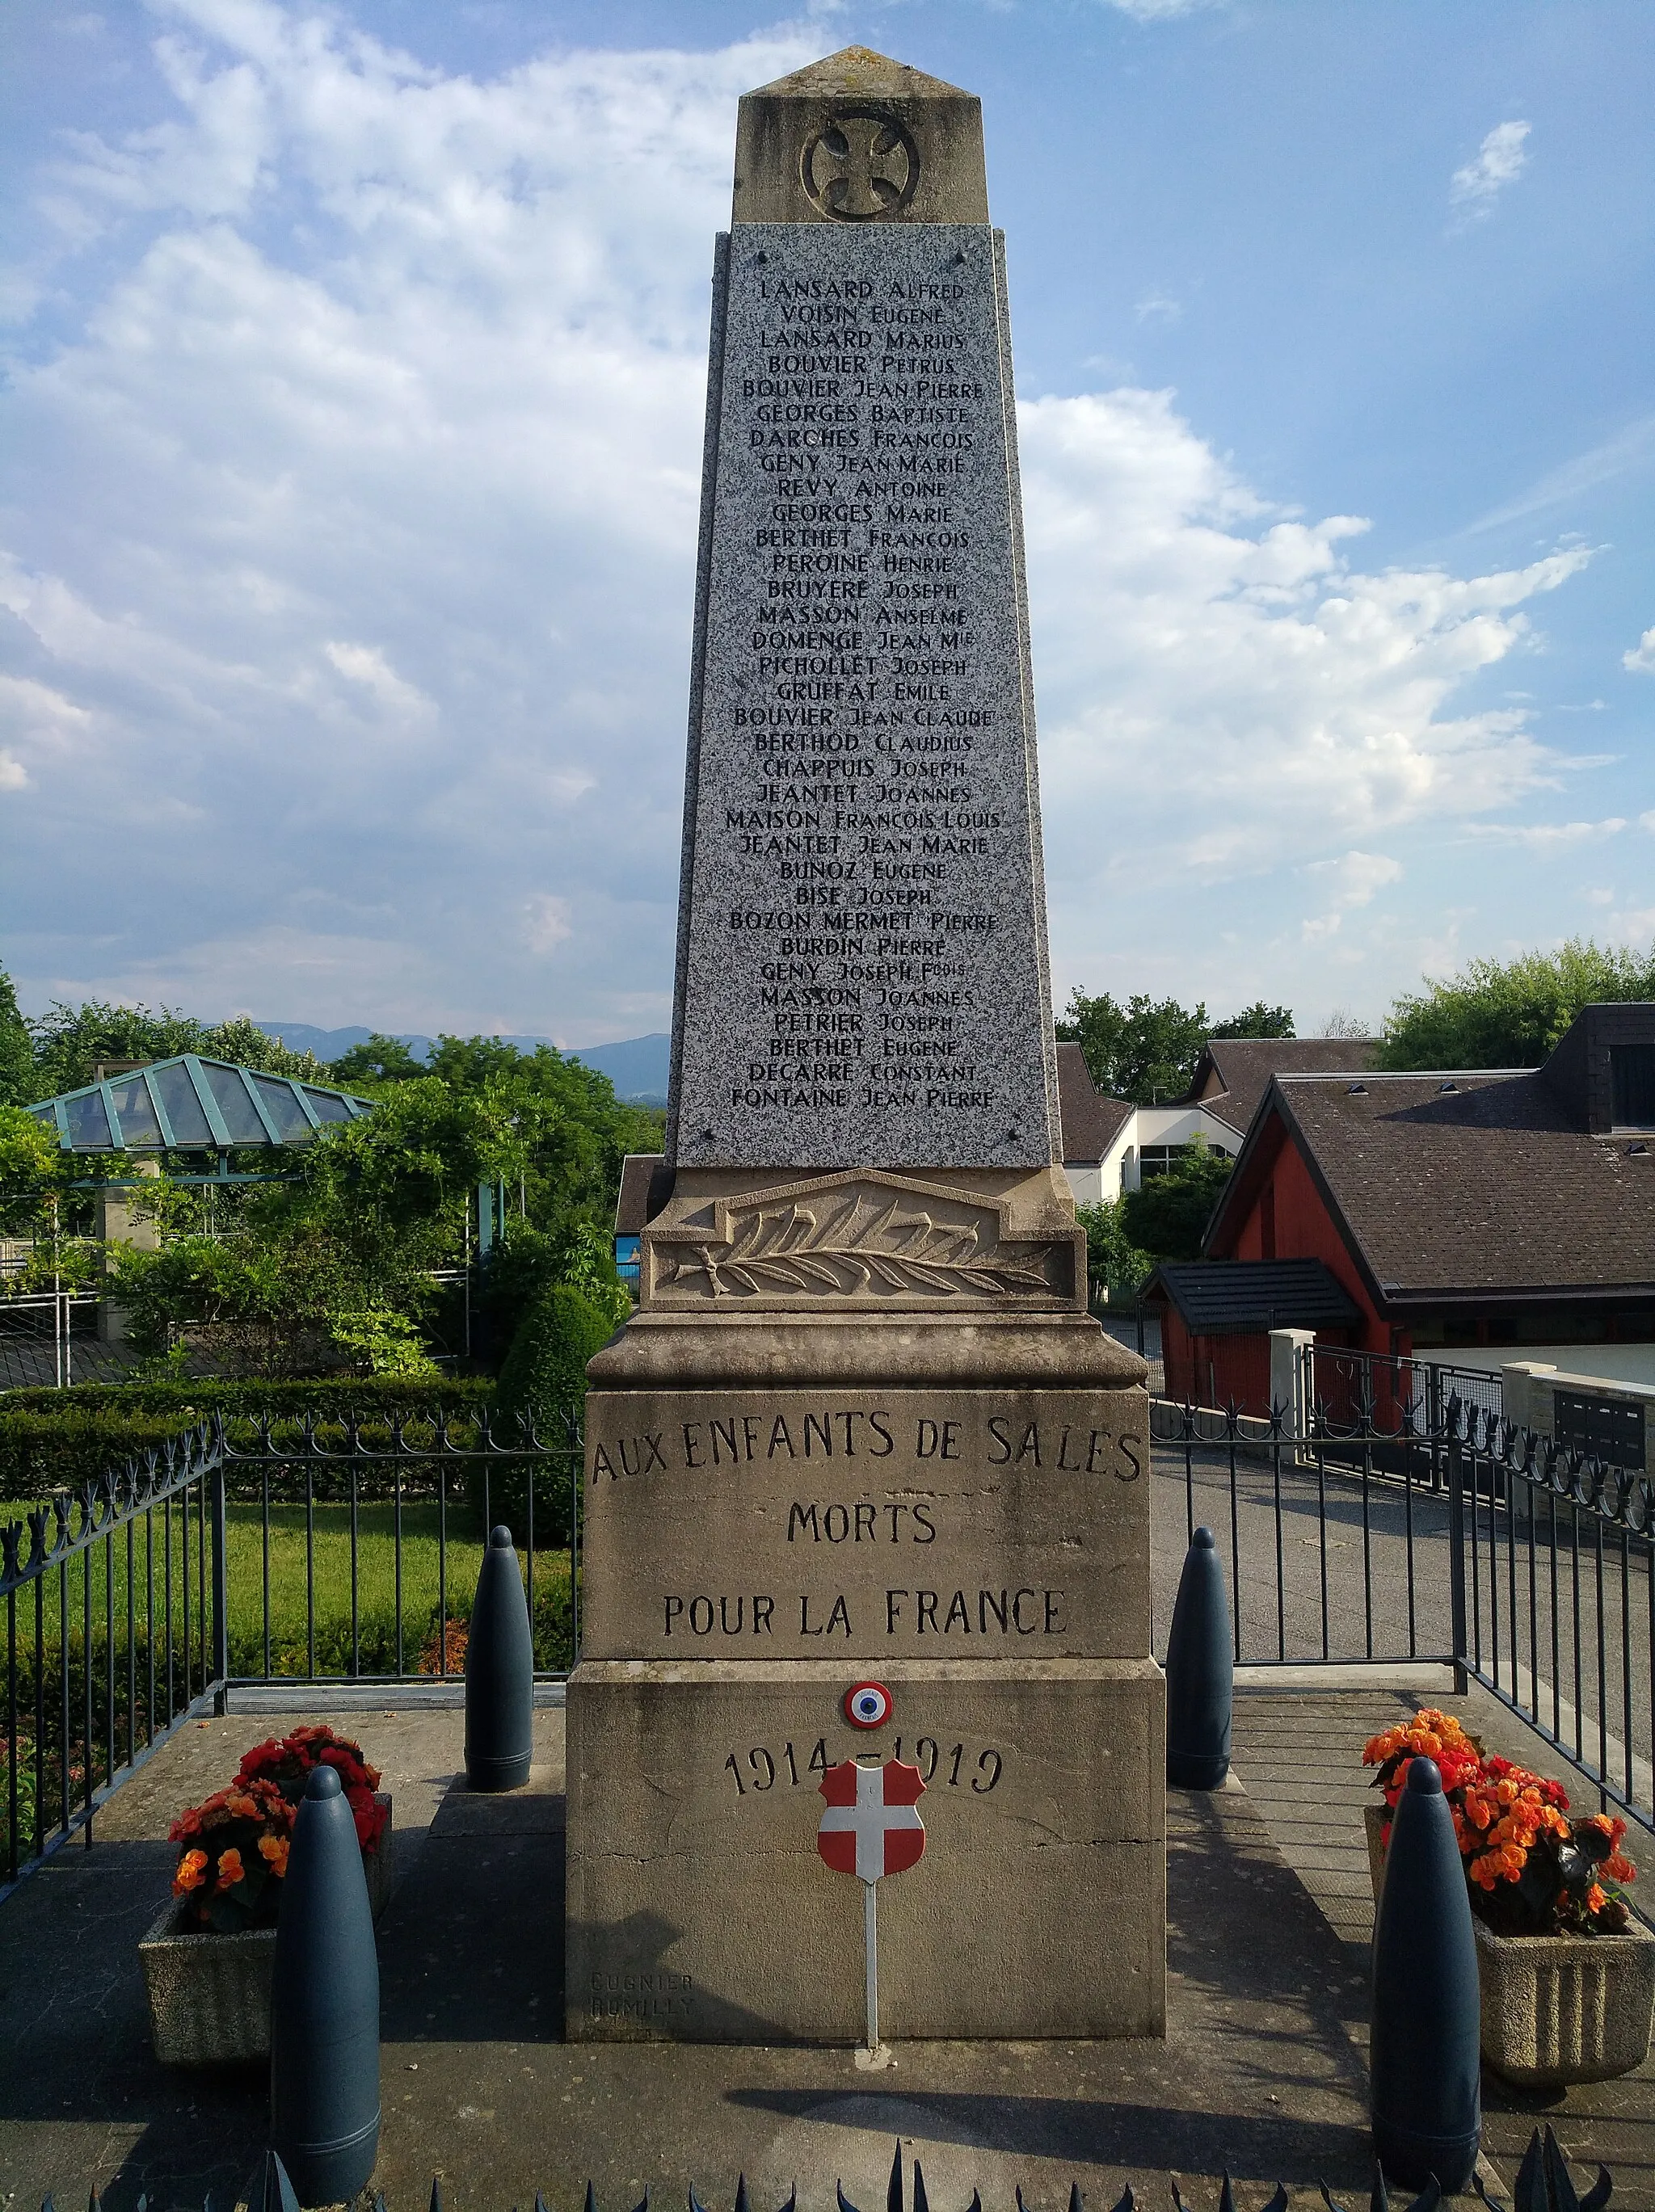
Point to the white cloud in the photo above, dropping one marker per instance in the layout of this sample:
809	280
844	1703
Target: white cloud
386	426
1350	882
1158	308
1640	660
1629	450
1633	926
1547	837
1499	161
365	665
548	922
1219	686
1157	11
14	776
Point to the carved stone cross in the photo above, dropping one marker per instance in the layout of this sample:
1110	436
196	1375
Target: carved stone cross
860	167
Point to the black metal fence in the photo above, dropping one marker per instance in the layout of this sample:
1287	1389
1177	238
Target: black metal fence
249	1552
260	1552
1543	2184
1525	1565
113	1628
1346	1385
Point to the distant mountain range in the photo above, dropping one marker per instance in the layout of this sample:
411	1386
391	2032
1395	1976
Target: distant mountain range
636	1066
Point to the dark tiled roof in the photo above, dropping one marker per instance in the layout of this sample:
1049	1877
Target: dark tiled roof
636	1205
1490	1185
1091	1121
1244	1067
1236	1297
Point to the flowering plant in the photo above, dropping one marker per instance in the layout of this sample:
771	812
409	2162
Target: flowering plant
1530	1869
286	1762
235	1855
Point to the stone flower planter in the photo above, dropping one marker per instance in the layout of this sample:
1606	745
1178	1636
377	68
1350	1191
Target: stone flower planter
1555	2009
1561	2008
209	1993
1372	1823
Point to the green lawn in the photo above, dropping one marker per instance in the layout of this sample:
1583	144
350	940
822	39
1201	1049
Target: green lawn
310	1627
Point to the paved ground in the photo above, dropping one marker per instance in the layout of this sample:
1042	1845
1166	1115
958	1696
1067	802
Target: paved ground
1321	1571
1300	1758
1263	2066
1270	1918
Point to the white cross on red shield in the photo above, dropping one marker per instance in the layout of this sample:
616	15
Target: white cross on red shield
870	1827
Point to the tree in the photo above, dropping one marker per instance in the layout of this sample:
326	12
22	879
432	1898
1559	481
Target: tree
1146	1050
17	1050
1165	1216
1257	1020
1116	1267
71	1041
334	1268
334	1265
1511	1013
381	1059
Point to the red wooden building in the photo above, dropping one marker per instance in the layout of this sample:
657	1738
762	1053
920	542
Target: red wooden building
1509	1211
1216	1321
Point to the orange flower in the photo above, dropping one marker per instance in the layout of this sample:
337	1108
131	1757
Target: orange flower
230	1868
1596	1898
274	1850
191	1872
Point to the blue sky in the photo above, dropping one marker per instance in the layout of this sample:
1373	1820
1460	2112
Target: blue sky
354	368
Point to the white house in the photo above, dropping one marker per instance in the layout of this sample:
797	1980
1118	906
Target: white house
1110	1145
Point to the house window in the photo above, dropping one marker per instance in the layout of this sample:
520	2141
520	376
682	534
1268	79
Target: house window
1160	1159
1631	1085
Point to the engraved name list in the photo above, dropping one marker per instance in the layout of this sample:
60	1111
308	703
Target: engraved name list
864	835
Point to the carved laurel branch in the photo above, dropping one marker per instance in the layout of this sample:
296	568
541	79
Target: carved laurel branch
790	1249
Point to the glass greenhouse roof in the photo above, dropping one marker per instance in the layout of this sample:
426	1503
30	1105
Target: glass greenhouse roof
192	1104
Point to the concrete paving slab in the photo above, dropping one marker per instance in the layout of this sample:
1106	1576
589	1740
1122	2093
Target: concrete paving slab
1263	2066
1300	1758
1259	2069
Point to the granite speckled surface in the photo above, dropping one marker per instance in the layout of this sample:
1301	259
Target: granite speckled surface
863	972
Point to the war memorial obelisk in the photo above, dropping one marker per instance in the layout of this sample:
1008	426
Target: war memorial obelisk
862	1424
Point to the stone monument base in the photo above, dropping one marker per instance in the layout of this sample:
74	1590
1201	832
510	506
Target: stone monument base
698	1910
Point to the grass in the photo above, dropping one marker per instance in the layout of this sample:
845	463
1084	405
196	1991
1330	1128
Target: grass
304	1558
307	1560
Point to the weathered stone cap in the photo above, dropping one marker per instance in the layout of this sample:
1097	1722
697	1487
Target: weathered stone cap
859	139
895	1351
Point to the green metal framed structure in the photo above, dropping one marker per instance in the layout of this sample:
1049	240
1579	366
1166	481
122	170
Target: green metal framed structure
192	1104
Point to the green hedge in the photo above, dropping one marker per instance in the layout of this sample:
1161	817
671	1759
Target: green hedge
56	1439
41	1452
543	1378
333	1396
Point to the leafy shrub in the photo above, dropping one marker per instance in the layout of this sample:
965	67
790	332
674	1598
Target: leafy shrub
1165	1216
41	1452
544	1379
58	1439
210	1393
1116	1268
553	1628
